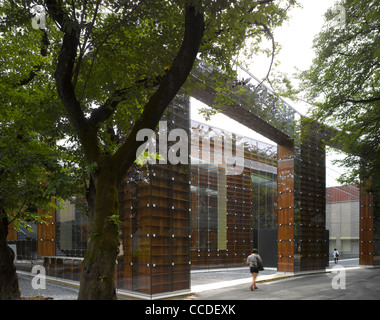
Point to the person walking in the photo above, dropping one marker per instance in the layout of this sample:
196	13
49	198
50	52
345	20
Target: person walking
253	266
336	256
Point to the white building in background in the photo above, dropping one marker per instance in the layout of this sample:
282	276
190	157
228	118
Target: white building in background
342	219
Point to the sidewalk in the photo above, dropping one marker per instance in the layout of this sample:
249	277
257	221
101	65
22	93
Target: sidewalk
201	280
215	279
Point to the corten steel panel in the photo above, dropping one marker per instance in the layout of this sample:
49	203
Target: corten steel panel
12	233
154	207
46	236
311	221
301	205
366	236
285	236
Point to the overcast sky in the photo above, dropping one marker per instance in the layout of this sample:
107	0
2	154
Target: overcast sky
296	38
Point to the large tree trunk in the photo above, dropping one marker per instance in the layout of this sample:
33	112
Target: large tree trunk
97	280
98	269
9	289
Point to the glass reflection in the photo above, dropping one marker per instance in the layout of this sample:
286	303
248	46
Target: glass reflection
71	231
226	209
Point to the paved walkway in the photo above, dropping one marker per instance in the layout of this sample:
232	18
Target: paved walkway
53	289
201	280
347	283
217	278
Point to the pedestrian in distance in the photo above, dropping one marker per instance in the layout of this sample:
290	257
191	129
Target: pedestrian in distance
253	261
336	256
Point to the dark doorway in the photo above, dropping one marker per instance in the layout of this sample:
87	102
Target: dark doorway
266	242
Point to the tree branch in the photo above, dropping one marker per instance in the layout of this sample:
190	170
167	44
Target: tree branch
63	77
269	33
363	100
87	36
57	13
17	215
259	3
169	87
108	34
108	108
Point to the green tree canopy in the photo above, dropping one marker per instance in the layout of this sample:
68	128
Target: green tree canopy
34	169
32	164
344	84
116	66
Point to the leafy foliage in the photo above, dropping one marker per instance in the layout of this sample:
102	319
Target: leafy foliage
343	83
34	169
116	66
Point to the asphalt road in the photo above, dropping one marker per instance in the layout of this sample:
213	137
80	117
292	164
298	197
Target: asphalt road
350	284
53	290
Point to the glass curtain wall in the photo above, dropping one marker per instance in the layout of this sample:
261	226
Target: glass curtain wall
228	208
26	243
71	231
154	210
